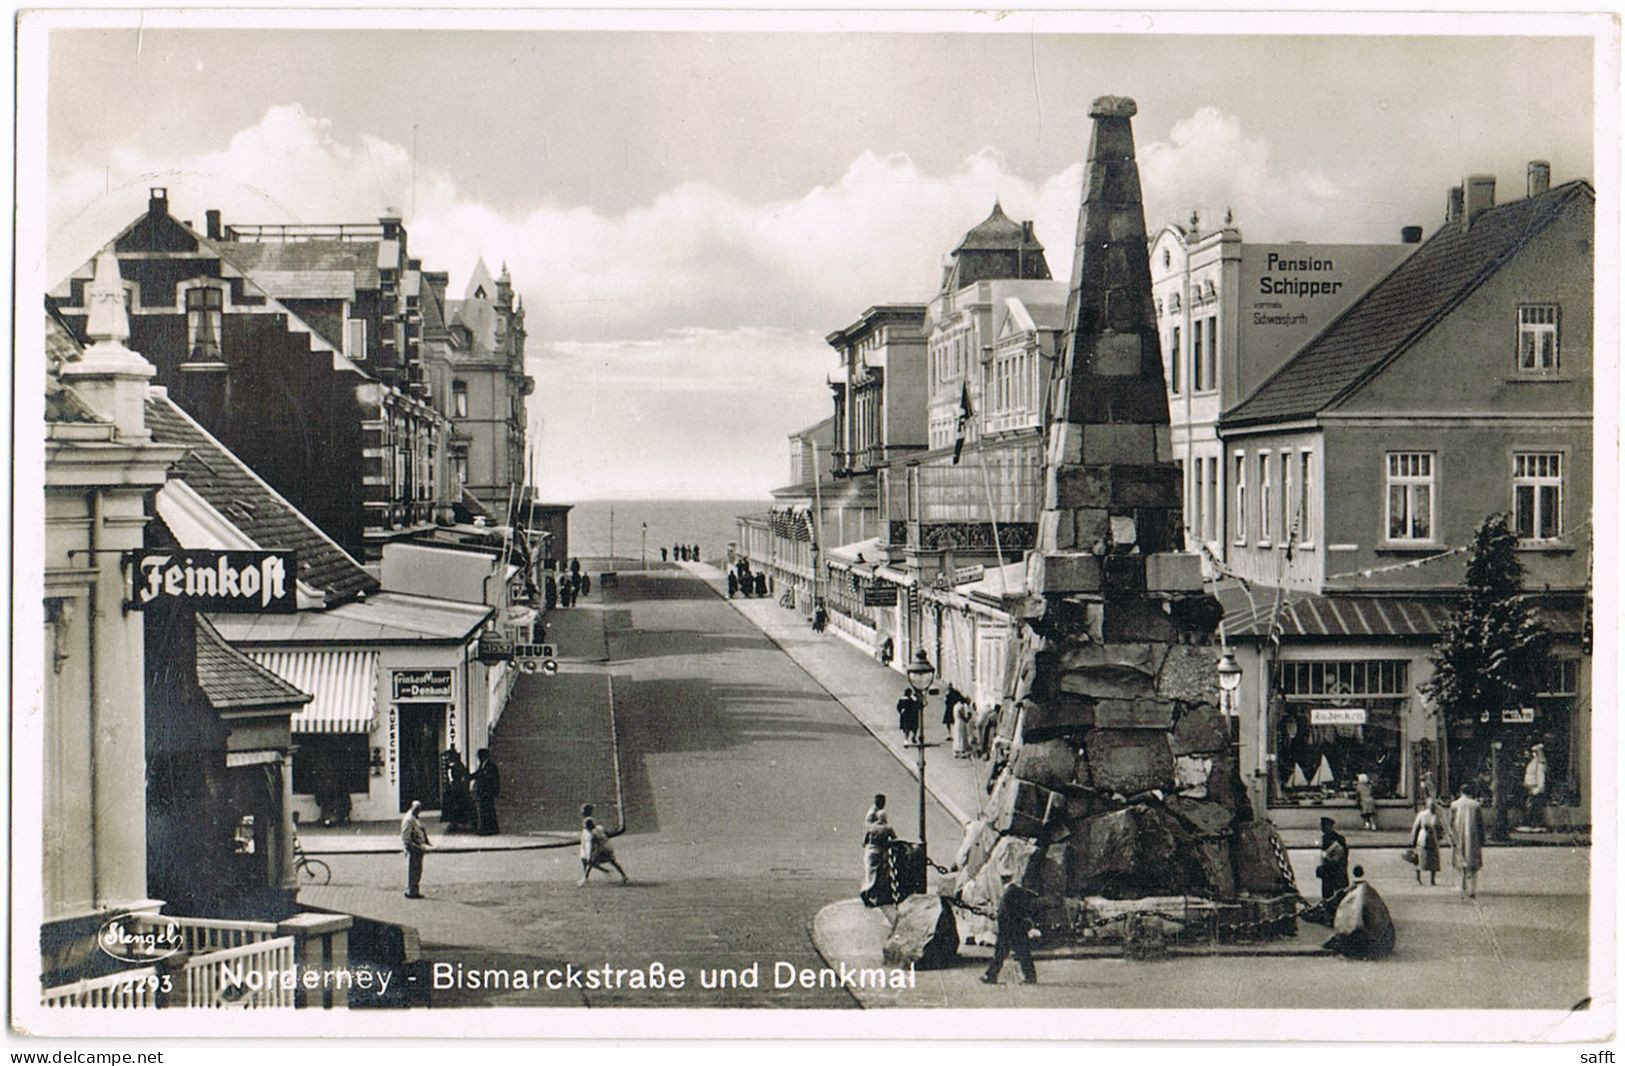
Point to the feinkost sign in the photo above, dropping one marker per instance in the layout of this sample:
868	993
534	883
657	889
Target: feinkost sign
253	582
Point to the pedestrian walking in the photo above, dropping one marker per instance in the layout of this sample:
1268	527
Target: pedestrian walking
1017	905
761	584
733	585
1467	840
586	585
950	702
820	618
595	850
1425	842
1333	870
662	554
961	730
983	729
1534	784
908	716
877	840
487	783
414	841
1368	804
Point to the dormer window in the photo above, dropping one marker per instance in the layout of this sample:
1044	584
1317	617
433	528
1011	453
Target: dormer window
203	313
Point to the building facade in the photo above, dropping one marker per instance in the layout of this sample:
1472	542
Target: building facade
1458	387
1229	313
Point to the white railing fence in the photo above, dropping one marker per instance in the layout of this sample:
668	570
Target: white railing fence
136	988
257	974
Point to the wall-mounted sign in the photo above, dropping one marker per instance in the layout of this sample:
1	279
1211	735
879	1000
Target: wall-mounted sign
421	684
494	649
1518	715
1337	716
251	582
535	651
880	596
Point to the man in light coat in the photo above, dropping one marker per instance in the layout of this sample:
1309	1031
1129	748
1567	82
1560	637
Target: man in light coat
1534	783
1467	843
414	841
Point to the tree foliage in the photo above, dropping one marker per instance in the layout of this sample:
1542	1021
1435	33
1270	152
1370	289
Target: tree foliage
1494	647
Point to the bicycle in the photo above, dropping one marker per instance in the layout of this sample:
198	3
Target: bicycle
309	871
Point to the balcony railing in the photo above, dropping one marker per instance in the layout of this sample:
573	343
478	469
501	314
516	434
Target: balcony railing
134	988
252	975
224	964
957	506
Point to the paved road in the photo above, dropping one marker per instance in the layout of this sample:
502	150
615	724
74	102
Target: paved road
745	786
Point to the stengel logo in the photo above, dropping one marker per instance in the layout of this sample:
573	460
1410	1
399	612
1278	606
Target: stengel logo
140	940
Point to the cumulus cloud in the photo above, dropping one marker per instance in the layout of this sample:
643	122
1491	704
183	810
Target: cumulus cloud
698	300
1209	164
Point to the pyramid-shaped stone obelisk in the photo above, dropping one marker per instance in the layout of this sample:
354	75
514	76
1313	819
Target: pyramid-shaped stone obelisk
1121	774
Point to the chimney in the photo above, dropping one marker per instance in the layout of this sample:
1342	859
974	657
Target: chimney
1480	196
1411	235
211	220
1452	204
157	201
1540	176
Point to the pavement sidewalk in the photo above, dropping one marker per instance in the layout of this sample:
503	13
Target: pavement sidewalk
868	690
556	745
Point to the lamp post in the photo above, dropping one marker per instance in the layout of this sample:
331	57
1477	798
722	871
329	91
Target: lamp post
920	675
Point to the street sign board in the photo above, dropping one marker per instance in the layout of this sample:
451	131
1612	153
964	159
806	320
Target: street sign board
494	649
246	582
1337	716
535	651
420	684
880	596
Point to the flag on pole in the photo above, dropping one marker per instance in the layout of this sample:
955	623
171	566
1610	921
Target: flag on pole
965	414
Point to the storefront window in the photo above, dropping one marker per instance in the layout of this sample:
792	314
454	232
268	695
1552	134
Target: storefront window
1334	721
330	762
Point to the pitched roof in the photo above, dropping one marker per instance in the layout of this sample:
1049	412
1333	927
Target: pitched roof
384	618
251	505
62	404
1355	616
1403	306
231	679
283	263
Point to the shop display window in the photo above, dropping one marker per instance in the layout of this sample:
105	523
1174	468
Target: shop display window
1334	721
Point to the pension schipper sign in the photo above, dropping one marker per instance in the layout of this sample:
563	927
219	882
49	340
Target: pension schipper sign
252	582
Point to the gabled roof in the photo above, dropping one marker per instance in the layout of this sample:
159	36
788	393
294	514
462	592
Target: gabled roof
251	505
1402	307
231	679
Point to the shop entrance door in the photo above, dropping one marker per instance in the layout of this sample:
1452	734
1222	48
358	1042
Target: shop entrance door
420	753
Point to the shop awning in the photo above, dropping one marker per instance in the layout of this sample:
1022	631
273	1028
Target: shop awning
263	757
847	555
1366	617
343	682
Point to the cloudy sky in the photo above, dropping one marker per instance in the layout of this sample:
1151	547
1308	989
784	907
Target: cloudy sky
687	214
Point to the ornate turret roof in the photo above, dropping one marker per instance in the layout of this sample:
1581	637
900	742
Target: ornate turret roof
996	248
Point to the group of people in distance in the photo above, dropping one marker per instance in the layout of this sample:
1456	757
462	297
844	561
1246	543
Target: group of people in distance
971	729
682	553
742	581
573	585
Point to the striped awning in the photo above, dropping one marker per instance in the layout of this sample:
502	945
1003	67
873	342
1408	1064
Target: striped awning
263	757
344	685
